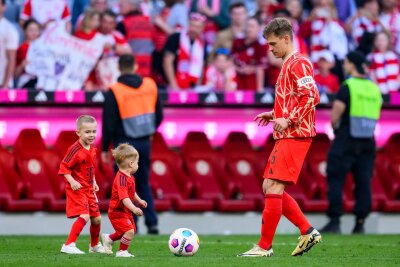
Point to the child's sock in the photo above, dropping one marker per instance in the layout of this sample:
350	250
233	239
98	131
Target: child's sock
125	242
94	234
76	229
116	236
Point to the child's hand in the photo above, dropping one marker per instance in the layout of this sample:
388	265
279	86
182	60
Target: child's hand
142	203
95	187
137	211
75	185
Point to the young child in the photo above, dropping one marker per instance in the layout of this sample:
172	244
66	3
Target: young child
81	187
122	198
326	81
221	74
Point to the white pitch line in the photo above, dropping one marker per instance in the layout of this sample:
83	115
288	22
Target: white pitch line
252	243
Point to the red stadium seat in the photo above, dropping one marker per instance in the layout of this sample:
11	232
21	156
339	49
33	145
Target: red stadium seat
28	150
12	189
241	162
206	167
169	182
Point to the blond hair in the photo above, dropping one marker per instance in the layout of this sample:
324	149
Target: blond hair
278	27
123	152
84	119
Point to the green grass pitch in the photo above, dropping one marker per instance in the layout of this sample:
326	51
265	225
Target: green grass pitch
335	250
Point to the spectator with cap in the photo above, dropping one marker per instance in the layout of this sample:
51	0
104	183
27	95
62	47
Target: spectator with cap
221	74
326	81
354	116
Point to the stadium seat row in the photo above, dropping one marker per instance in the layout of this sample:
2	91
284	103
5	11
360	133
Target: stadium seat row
198	178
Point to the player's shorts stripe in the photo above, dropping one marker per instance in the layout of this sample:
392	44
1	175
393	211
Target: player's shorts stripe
72	152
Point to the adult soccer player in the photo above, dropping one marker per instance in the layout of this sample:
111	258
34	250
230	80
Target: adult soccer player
293	117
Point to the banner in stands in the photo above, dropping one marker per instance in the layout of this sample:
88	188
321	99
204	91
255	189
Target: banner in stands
61	61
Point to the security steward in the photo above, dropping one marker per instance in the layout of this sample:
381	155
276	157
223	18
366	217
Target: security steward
355	113
132	112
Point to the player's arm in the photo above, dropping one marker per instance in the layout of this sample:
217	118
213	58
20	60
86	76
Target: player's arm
142	203
307	90
66	167
128	203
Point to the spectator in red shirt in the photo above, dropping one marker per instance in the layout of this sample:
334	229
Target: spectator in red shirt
32	31
249	57
326	81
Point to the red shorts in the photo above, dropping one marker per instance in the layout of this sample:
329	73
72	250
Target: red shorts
286	159
122	222
82	201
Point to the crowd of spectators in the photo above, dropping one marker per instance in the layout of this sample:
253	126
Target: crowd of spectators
208	44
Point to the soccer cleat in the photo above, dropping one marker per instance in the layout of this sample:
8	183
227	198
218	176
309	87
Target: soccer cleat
107	243
256	251
306	242
71	249
97	249
124	254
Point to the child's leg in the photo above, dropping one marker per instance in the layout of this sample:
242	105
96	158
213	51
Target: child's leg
76	228
95	230
116	236
126	240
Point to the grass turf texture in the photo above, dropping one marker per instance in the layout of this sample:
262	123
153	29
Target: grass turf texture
335	250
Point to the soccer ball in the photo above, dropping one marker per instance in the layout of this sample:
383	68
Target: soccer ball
183	242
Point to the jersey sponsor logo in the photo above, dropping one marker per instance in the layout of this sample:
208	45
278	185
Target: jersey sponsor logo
305	81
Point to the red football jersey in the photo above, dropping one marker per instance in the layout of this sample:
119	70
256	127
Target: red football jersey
123	187
254	54
79	162
296	96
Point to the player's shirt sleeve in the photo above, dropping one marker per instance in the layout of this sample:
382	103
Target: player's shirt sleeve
68	162
122	187
306	89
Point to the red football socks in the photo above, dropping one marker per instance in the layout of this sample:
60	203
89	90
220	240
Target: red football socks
94	234
292	211
116	236
124	244
76	229
270	219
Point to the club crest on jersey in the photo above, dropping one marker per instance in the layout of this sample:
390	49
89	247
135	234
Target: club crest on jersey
250	51
305	80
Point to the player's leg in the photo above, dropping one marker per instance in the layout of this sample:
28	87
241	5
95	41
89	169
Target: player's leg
95	244
108	240
75	207
271	215
362	173
124	244
70	245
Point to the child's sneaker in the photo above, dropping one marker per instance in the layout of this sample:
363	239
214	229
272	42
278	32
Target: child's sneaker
71	249
107	243
97	249
123	254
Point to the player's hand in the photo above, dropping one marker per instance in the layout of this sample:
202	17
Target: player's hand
105	157
142	203
264	118
95	187
280	124
75	185
137	212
